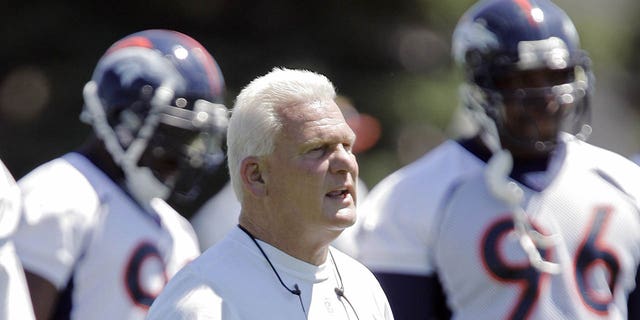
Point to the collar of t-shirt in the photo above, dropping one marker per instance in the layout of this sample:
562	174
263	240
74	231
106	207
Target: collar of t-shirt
286	264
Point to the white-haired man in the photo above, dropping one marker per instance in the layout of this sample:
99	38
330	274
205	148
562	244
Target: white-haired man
292	168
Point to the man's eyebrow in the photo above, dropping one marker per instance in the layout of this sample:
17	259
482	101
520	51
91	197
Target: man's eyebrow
314	141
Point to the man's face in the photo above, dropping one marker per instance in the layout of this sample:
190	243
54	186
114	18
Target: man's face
173	154
535	107
310	177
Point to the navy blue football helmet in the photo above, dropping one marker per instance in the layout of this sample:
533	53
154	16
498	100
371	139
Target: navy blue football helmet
503	47
156	101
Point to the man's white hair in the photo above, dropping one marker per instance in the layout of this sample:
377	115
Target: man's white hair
255	123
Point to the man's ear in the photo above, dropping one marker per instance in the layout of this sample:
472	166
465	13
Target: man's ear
251	171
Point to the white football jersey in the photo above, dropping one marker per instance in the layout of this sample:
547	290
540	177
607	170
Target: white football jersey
15	302
399	211
587	205
106	255
437	217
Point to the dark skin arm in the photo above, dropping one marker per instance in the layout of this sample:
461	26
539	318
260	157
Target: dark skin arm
44	295
634	300
414	297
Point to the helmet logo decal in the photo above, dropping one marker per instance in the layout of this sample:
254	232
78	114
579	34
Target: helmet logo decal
549	53
474	35
129	71
135	63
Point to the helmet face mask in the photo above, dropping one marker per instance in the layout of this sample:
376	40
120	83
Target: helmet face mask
183	150
531	108
525	73
154	100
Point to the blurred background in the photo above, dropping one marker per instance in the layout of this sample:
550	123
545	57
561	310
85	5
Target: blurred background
390	59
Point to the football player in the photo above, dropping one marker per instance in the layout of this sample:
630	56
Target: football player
97	239
15	302
525	220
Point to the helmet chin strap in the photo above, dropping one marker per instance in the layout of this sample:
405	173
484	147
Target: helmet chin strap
496	175
144	186
140	181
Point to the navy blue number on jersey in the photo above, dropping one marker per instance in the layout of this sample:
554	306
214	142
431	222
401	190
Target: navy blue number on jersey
523	274
591	254
144	255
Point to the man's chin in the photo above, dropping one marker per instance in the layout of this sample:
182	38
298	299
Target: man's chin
345	217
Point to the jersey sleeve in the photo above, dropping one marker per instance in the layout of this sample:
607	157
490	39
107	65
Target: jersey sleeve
393	237
401	212
58	208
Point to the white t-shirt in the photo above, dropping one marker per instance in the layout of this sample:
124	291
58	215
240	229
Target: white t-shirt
219	215
81	232
15	302
233	280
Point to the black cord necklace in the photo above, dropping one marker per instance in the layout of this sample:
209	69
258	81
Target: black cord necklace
296	290
340	289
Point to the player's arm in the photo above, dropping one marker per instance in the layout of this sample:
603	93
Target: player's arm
633	301
414	297
44	295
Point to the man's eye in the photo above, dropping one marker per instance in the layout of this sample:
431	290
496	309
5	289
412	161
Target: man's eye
316	152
